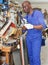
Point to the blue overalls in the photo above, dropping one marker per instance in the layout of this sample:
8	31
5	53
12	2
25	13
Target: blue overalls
34	37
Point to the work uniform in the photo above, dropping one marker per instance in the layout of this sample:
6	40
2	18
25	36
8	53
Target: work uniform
34	37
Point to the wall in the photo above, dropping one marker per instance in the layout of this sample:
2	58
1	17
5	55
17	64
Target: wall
36	3
40	5
38	0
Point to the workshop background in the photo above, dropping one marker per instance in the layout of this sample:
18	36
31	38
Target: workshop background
15	5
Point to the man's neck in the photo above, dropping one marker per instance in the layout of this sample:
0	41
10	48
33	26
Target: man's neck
31	11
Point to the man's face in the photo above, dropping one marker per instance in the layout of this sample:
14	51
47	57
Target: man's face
26	7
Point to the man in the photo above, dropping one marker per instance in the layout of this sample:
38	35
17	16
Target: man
34	27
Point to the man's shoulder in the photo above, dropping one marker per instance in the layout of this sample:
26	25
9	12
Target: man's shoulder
37	12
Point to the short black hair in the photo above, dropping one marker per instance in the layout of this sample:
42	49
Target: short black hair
26	2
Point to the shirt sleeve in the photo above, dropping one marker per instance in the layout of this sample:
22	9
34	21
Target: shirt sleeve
40	18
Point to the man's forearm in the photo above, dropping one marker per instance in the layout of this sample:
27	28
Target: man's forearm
30	26
37	26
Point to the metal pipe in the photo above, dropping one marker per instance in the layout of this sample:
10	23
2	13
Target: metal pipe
22	51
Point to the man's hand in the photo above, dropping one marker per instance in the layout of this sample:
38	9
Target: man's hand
24	28
28	26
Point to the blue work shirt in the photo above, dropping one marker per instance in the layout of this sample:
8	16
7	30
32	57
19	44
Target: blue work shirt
36	18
